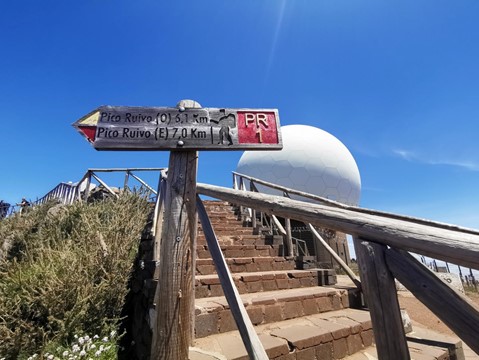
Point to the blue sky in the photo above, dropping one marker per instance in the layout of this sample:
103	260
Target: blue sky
397	82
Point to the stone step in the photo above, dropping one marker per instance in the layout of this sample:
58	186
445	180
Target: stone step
213	314
228	230
227	215
203	252
423	344
247	264
254	282
331	335
216	222
344	334
244	239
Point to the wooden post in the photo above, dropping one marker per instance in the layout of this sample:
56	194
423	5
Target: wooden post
380	293
174	296
127	176
88	184
473	279
289	237
253	210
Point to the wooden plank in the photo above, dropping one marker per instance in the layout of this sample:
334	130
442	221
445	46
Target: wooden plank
143	183
127	177
104	185
454	309
456	246
325	201
248	334
380	293
124	169
174	296
335	256
278	225
88	184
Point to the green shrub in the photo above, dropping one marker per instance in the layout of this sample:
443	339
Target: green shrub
64	272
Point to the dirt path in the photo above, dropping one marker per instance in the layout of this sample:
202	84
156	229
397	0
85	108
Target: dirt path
421	314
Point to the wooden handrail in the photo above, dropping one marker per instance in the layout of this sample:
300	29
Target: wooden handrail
325	201
452	245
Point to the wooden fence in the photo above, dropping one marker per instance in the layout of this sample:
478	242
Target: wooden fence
67	193
382	243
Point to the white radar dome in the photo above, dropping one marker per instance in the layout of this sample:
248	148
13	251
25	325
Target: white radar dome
311	161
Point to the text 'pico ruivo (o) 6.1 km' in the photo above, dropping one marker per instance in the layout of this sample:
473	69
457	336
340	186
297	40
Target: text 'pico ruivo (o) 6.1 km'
169	128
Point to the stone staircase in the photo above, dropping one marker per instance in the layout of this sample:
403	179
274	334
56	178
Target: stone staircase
298	314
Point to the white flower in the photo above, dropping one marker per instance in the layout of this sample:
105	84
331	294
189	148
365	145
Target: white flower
113	333
105	339
75	348
98	353
93	346
75	336
87	337
102	347
81	341
50	357
82	353
96	337
65	353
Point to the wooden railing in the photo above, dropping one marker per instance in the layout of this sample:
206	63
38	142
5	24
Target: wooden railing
67	193
382	243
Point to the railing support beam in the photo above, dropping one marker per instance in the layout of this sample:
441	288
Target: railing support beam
454	309
344	266
380	293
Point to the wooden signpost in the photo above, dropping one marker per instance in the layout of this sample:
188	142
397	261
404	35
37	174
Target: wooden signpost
181	128
184	130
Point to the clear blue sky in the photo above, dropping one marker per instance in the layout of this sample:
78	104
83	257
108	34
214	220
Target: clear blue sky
397	82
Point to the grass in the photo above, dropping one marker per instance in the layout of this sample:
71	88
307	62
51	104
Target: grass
64	272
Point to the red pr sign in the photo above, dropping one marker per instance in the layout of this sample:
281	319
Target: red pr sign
256	127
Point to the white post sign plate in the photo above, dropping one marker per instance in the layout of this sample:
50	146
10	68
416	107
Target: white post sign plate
167	128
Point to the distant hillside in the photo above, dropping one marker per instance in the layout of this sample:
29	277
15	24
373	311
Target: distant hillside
64	272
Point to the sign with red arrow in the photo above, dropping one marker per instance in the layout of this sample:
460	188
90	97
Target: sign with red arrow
168	128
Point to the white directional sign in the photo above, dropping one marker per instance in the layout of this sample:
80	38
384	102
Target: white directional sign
166	128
